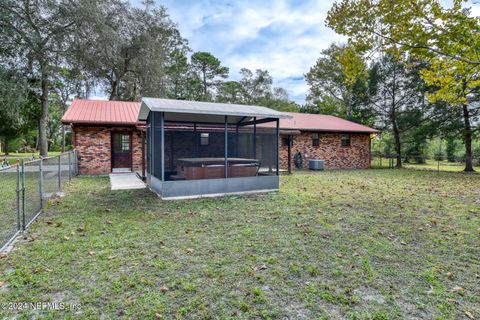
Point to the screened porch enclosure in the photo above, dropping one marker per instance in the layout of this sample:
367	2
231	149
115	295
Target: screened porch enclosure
195	154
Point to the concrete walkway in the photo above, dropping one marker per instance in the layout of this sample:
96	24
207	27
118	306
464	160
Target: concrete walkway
125	181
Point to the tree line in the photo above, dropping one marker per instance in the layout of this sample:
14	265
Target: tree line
55	50
410	68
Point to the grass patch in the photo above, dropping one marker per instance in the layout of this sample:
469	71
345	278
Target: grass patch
372	244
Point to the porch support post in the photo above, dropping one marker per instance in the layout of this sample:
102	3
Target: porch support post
254	137
226	146
236	141
162	145
196	141
151	149
142	133
289	150
277	134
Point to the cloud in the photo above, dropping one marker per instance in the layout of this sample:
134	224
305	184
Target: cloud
285	37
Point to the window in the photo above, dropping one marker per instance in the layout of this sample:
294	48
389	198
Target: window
285	141
315	140
204	139
345	140
121	143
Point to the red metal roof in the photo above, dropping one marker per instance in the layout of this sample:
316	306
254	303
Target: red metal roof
321	122
126	113
102	112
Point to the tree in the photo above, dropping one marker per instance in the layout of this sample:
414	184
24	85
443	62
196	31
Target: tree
255	89
129	49
67	84
422	27
13	98
399	99
209	68
230	92
458	84
338	85
34	34
445	37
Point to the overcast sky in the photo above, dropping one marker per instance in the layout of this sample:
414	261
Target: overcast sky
283	36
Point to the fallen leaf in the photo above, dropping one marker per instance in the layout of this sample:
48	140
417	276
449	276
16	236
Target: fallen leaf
456	289
164	289
91	253
3	255
108	222
403	243
450	274
339	255
111	257
188	230
66	238
158	316
469	315
325	235
191	250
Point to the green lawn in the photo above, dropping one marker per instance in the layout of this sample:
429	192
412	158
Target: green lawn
13	157
372	244
430	165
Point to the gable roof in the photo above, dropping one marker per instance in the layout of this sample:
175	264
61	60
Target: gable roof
102	112
126	113
321	122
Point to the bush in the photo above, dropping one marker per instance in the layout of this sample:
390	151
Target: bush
439	155
26	149
451	151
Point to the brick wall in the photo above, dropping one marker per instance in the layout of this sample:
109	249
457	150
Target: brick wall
330	149
94	148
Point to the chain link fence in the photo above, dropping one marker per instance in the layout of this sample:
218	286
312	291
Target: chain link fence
25	188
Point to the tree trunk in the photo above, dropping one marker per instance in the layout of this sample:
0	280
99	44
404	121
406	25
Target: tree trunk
204	82
42	128
396	138
393	119
468	140
113	90
63	127
63	138
5	146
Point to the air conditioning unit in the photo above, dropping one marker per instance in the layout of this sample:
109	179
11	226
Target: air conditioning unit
316	164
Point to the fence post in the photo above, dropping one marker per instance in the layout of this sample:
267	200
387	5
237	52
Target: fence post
75	163
69	166
23	196
59	172
40	170
19	224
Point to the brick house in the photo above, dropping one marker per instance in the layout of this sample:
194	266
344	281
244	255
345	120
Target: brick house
342	144
106	134
109	138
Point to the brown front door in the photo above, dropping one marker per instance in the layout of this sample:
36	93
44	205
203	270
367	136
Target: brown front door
121	150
